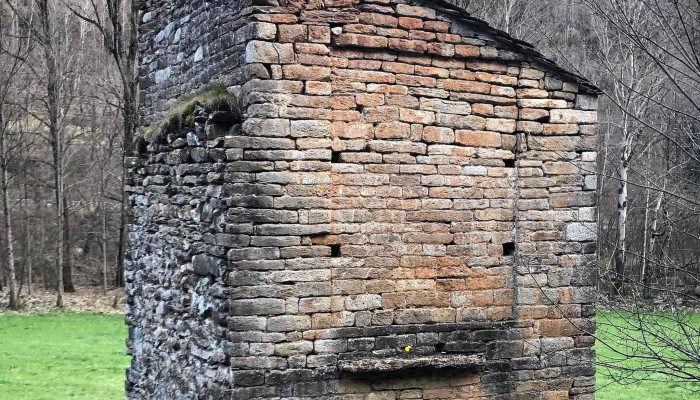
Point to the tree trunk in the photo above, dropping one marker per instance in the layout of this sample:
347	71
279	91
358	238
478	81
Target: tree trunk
7	222
59	243
622	206
104	231
130	122
652	243
600	190
58	181
119	277
42	249
68	286
127	58
53	106
30	258
645	226
28	253
507	14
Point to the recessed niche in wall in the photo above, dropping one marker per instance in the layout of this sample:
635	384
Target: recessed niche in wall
508	249
335	250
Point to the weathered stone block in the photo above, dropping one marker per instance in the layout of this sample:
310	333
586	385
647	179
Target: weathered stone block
500	125
438	135
572	199
311	128
333	346
361	40
293	33
393	130
460	121
478	138
573	117
204	265
252	307
415	11
269	53
542	103
288	323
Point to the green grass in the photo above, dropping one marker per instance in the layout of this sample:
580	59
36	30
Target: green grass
614	329
62	356
83	356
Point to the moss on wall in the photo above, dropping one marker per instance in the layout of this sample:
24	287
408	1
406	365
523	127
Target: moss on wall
182	115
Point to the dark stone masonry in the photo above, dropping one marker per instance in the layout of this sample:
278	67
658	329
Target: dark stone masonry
398	203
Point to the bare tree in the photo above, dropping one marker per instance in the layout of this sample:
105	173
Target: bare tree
636	81
73	179
117	21
645	55
56	134
13	51
52	102
516	17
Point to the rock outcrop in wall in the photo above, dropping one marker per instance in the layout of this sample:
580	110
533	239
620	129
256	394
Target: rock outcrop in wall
396	202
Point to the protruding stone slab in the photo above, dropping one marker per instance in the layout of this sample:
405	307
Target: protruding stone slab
390	364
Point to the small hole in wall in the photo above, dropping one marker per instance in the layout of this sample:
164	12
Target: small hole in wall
509	163
269	70
544	120
335	157
360	108
142	146
508	249
335	250
440	347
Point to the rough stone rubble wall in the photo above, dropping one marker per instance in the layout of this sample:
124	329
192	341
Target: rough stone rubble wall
401	180
176	317
185	45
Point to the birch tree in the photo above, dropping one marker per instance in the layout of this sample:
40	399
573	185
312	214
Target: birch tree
645	56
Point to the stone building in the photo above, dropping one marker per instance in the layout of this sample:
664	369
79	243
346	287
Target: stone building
394	201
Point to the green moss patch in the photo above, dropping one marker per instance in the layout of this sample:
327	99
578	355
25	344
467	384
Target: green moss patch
181	117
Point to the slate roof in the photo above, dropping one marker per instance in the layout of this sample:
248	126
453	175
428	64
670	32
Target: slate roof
457	8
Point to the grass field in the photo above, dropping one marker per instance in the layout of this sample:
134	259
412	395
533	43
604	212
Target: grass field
83	356
653	388
62	356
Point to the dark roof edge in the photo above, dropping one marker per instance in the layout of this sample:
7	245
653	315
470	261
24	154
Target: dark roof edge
516	45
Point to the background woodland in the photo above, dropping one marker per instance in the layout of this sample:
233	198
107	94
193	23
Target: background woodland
68	116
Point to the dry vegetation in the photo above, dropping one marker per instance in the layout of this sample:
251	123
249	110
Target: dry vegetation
84	299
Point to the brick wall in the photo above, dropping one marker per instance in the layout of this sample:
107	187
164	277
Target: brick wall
410	186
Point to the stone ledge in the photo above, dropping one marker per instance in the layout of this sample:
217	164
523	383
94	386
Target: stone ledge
391	364
374	331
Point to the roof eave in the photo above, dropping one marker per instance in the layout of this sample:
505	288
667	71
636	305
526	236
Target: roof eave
517	45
